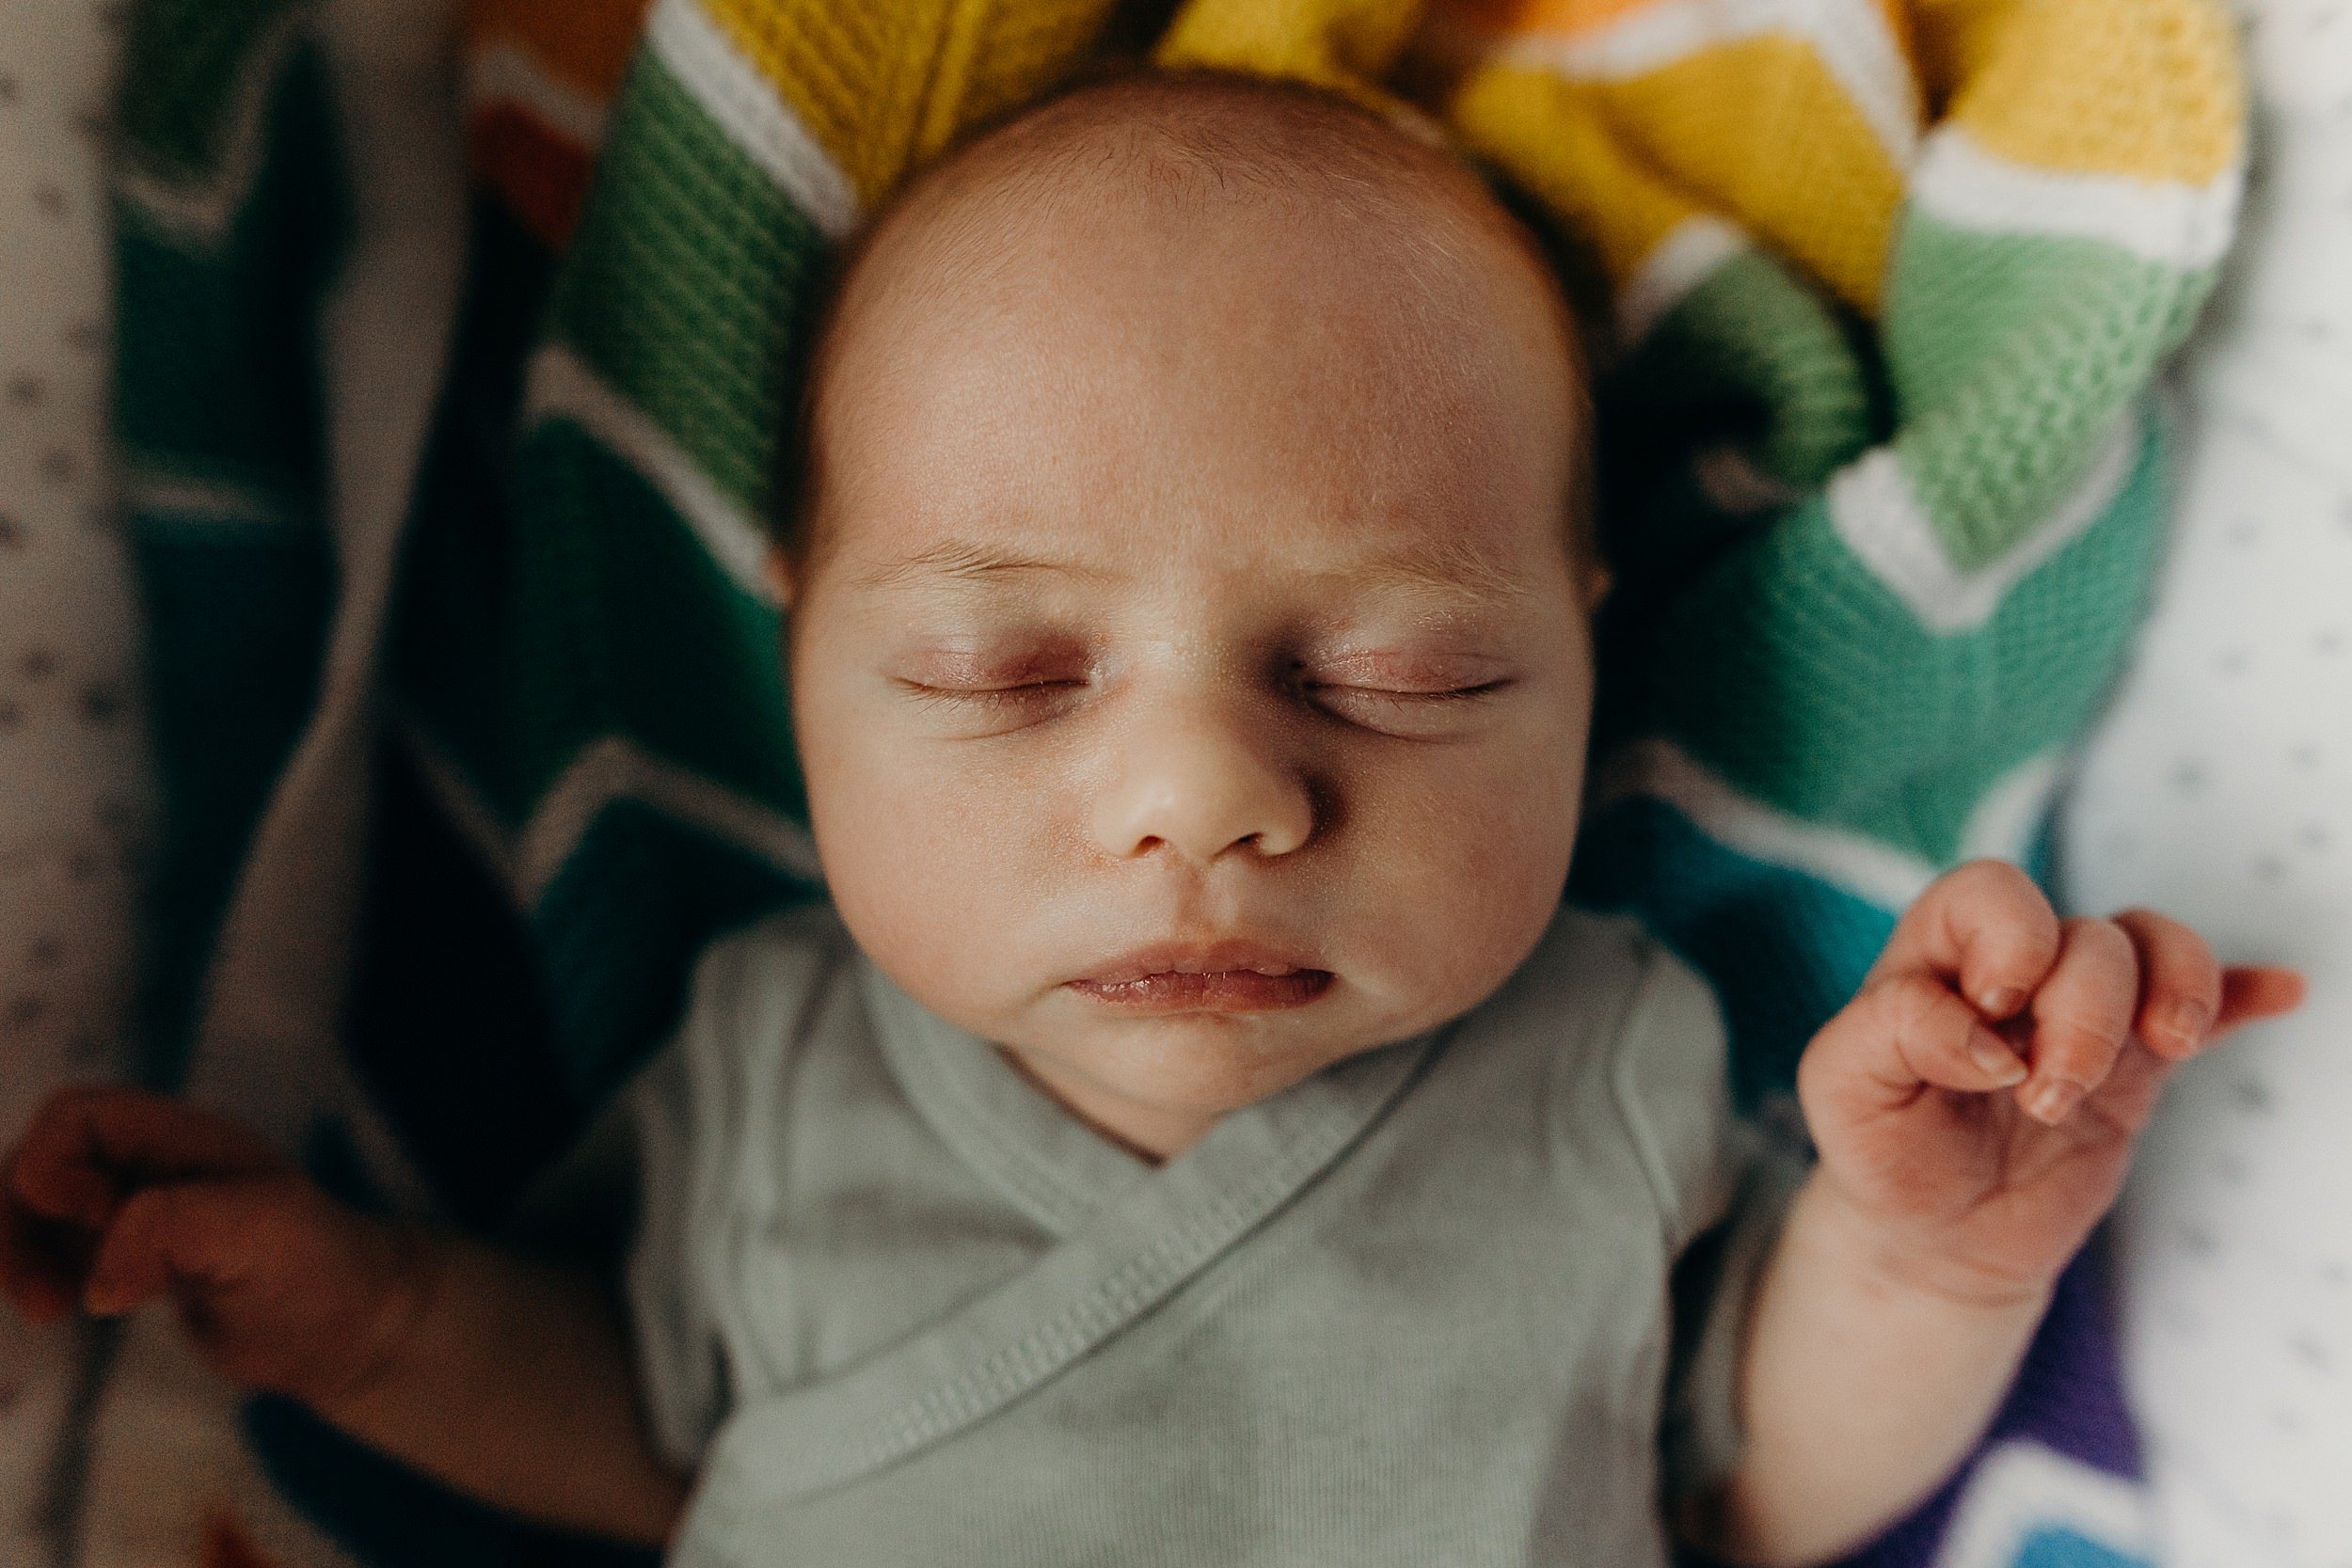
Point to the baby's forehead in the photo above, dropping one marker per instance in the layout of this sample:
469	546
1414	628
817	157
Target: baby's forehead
1319	265
1200	164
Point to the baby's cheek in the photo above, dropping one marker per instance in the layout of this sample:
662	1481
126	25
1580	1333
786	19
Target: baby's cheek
933	870
1469	868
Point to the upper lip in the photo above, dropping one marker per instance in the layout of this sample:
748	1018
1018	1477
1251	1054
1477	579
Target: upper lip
1197	957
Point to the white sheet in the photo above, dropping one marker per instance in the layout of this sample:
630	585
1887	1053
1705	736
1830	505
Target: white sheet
2222	791
74	784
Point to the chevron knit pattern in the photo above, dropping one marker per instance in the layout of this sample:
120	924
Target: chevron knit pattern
1882	284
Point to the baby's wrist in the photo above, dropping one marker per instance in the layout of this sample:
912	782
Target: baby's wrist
408	1268
1896	1259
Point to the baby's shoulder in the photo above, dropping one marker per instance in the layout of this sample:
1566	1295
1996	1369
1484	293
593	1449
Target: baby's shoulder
1632	1047
1598	986
758	990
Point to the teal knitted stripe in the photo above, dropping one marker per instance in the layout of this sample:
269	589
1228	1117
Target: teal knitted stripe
1771	355
685	285
2010	355
1792	672
619	930
626	625
183	66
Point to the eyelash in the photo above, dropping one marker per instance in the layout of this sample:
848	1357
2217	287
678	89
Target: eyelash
1000	697
1449	694
992	696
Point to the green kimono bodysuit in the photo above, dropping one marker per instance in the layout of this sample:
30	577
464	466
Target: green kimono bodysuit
897	1307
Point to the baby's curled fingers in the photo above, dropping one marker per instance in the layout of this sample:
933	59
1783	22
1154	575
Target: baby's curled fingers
202	1232
86	1147
39	1263
2180	984
1903	1033
2081	1018
1986	926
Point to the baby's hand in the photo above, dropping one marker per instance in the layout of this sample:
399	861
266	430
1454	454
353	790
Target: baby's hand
1976	1105
114	1197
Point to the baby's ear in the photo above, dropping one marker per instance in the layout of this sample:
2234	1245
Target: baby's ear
1596	583
778	569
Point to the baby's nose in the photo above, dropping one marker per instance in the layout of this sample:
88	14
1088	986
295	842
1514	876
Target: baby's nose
1198	779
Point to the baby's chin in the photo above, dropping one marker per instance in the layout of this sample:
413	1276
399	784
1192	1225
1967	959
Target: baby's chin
1206	1062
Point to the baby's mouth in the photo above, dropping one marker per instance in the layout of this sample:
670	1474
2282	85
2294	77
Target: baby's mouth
1224	990
1224	978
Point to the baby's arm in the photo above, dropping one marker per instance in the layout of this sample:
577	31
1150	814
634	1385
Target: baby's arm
508	1380
1974	1108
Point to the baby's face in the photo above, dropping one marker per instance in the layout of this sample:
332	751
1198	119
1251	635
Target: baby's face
1192	678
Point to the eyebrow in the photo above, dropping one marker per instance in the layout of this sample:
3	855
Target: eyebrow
968	561
1448	569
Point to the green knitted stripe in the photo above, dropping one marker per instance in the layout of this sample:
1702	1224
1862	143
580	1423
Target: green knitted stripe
1773	355
626	625
1795	675
450	620
235	618
2011	357
216	372
183	66
619	930
687	281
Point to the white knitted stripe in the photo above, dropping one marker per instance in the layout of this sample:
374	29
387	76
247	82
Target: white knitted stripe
199	213
1659	770
1730	480
561	385
606	772
753	112
154	491
615	768
461	804
2021	1489
1878	514
2168	221
507	73
2010	816
1685	257
1849	37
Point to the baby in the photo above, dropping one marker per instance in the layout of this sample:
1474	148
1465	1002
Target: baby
1196	1133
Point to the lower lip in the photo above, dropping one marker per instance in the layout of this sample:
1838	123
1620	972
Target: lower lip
1217	990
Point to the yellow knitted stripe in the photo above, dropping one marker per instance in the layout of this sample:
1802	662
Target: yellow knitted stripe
1865	49
1553	140
583	44
1345	45
884	85
1569	19
2145	88
1761	132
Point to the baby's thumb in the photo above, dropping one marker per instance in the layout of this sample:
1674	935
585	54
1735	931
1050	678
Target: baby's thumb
191	1232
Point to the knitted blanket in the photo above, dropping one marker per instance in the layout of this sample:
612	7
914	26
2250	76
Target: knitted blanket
1880	288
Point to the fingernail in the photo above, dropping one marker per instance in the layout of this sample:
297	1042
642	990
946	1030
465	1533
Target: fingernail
1997	1061
2003	1001
2191	1023
2050	1103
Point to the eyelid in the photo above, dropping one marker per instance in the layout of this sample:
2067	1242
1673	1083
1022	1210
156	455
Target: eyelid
1411	674
955	670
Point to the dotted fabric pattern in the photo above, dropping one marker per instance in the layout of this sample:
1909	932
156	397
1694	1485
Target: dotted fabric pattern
2222	791
73	788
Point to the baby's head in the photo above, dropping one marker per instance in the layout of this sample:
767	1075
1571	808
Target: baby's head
1189	598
